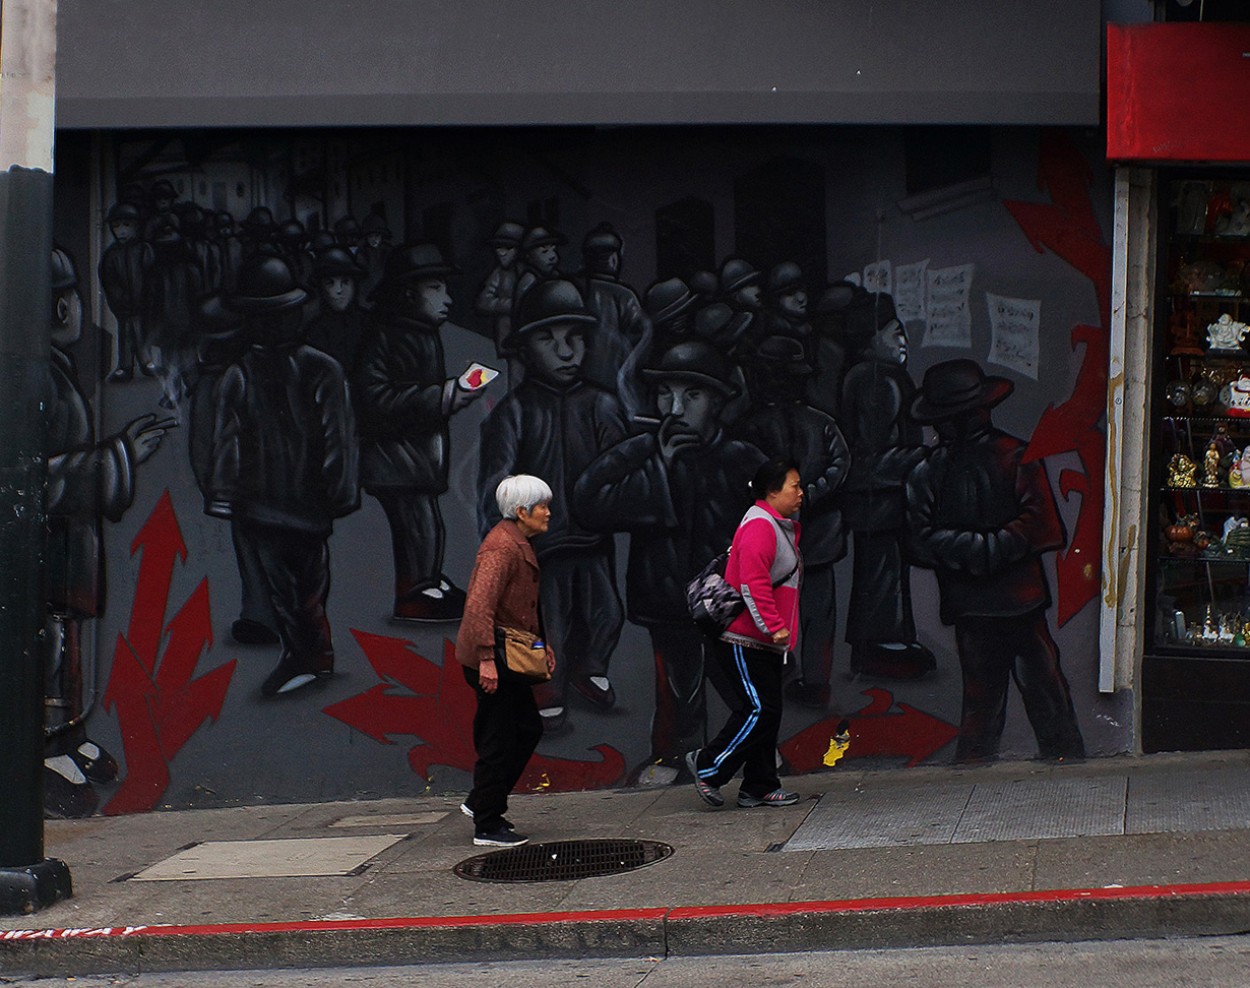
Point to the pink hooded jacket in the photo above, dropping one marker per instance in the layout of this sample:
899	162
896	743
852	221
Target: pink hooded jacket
765	549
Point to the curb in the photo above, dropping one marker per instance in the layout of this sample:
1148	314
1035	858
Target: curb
1066	915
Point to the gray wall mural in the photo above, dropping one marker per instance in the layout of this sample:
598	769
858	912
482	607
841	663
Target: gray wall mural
325	349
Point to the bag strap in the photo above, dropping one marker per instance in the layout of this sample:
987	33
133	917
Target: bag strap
793	548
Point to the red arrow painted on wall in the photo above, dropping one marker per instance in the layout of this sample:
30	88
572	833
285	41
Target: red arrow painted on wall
1068	226
433	704
159	701
876	731
160	540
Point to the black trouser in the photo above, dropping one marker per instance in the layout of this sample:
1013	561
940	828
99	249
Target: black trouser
417	537
993	650
750	683
680	721
506	730
131	346
296	567
254	602
582	617
880	605
818	605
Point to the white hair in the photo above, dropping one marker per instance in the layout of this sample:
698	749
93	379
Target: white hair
520	491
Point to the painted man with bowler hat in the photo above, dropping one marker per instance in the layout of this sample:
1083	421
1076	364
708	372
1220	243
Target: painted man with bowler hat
284	464
885	444
622	324
980	515
553	425
680	491
406	400
539	260
340	326
495	298
123	272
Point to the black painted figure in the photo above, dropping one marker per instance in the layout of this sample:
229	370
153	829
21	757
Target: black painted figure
885	445
405	400
622	324
374	251
340	327
553	426
285	464
679	491
88	480
981	516
539	260
220	341
828	345
348	234
291	237
123	270
498	292
782	424
172	290
785	308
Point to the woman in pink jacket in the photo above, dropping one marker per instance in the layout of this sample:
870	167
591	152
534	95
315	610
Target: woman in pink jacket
766	568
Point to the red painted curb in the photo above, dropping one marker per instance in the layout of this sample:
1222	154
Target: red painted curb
896	904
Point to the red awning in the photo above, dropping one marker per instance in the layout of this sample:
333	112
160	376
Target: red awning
1178	92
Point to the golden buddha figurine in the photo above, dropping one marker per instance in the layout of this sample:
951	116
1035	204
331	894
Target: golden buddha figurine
1182	471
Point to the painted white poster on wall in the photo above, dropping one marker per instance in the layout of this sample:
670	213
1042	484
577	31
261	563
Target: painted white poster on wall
909	294
1014	326
878	277
947	301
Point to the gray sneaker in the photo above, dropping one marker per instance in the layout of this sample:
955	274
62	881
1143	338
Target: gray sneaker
708	793
778	797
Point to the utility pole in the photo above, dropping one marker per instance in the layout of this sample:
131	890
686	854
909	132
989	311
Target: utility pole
28	880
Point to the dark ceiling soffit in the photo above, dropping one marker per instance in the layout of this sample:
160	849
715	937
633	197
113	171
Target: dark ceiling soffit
513	109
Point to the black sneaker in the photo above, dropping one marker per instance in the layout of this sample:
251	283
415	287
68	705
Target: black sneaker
500	838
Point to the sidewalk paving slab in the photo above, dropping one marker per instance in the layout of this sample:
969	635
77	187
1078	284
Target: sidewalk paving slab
729	887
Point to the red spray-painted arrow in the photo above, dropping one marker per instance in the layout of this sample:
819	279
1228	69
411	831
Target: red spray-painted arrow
875	731
159	702
160	538
435	705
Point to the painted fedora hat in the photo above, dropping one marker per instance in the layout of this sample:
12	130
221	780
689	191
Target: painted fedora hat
954	387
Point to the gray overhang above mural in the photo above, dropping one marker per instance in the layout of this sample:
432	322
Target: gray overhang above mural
166	63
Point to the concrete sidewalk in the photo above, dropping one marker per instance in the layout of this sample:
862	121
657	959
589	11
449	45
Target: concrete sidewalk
1151	846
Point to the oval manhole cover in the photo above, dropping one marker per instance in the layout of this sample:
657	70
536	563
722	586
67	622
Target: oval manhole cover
562	860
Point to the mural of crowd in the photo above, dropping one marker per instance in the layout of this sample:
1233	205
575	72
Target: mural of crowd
312	370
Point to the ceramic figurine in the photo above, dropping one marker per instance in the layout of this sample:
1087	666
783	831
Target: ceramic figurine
1226	334
1234	472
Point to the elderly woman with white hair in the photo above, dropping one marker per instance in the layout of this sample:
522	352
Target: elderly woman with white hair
503	593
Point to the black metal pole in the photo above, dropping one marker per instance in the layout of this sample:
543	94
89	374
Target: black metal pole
28	880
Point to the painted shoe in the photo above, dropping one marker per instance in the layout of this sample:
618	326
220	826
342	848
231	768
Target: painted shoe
289	676
67	793
429	604
597	690
95	762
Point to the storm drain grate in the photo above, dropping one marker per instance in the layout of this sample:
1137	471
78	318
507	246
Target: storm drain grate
562	860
